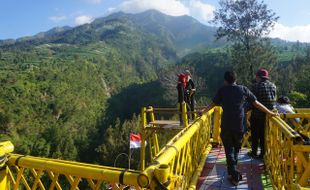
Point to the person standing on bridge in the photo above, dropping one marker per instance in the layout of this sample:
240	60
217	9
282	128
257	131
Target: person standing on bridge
265	91
190	93
181	87
186	90
232	98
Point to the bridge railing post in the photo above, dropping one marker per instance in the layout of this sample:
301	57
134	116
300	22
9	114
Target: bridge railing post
154	135
184	114
143	138
161	173
5	147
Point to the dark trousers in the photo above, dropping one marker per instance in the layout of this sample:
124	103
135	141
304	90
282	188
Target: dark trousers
192	105
190	101
232	144
258	134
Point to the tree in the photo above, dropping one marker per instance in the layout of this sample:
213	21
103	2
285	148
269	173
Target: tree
261	55
245	23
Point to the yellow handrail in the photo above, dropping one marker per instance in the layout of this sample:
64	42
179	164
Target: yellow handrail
181	157
21	166
287	161
175	166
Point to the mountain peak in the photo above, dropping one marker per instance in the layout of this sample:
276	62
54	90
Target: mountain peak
179	31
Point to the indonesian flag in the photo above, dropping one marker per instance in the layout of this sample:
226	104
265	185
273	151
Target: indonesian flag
135	140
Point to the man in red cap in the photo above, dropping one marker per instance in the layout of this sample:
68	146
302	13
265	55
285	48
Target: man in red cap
265	92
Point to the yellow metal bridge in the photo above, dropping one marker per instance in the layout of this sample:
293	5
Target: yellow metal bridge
175	157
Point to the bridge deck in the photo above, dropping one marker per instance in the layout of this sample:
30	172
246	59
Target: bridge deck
214	174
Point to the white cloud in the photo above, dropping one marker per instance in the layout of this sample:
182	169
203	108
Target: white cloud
93	1
111	10
170	7
194	8
57	18
83	19
200	10
294	33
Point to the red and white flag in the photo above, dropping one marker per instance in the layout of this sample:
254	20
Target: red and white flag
135	140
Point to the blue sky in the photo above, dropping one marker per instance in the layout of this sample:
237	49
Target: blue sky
28	17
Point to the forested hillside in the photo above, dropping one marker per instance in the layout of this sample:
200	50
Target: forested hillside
59	93
71	93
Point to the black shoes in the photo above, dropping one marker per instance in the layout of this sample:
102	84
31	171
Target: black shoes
235	179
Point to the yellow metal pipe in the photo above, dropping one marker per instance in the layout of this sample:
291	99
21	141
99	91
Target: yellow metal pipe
283	126
162	173
71	162
184	114
86	171
180	143
176	137
302	110
174	149
295	115
193	183
6	147
155	139
301	148
143	138
3	178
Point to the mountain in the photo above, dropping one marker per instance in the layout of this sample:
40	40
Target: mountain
52	32
182	32
62	89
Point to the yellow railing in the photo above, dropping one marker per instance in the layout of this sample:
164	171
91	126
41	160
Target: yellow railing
299	121
287	160
175	164
180	162
41	173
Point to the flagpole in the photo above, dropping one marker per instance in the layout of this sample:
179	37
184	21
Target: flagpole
129	156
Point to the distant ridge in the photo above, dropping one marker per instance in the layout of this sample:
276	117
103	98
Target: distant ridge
184	33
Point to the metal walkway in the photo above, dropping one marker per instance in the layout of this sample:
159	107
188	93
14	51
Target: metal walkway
214	174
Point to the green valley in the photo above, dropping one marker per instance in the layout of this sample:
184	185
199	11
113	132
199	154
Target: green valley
75	93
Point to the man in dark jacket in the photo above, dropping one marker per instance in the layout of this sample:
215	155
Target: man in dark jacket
232	99
265	92
190	93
